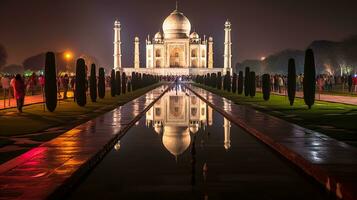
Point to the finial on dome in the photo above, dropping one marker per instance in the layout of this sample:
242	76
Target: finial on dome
176	5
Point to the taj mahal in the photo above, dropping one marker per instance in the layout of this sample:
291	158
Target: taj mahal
176	50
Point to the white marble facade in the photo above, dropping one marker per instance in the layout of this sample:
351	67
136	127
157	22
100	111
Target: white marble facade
176	50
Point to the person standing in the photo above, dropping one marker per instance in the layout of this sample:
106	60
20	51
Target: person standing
65	82
19	92
5	82
349	83
355	83
12	85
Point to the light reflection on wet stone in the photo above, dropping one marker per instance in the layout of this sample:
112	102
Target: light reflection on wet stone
35	174
183	149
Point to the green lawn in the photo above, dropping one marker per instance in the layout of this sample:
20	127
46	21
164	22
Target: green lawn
34	119
333	119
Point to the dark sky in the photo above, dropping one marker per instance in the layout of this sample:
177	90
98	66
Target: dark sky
259	27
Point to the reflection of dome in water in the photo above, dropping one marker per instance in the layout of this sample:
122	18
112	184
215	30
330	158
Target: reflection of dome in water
117	146
176	139
194	128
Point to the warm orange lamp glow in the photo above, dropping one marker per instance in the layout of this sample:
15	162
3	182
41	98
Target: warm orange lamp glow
68	55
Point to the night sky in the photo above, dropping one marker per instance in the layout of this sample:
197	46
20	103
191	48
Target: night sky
259	27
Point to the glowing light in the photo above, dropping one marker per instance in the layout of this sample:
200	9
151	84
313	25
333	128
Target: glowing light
68	55
262	58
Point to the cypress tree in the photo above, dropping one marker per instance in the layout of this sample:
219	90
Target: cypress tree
117	83
246	82
234	83
113	89
123	83
225	82
213	80
252	85
81	81
133	81
50	82
266	86
129	86
240	82
229	81
101	83
208	79
309	83
291	81
219	81
93	83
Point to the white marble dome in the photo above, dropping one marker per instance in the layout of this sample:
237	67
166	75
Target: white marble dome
176	139
158	35
194	35
176	26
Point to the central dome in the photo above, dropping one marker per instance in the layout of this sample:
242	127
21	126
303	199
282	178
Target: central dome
176	25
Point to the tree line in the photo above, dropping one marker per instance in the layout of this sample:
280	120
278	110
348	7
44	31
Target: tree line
119	82
246	83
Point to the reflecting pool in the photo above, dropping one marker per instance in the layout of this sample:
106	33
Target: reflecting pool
182	149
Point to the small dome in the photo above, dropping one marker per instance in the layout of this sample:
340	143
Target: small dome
158	35
176	25
194	129
227	24
117	146
176	139
194	35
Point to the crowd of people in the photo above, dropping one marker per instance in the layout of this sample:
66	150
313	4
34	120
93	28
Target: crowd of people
18	86
324	83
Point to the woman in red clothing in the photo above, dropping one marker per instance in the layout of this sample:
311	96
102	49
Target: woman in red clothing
19	92
355	82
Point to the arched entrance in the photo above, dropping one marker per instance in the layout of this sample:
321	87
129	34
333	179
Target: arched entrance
177	57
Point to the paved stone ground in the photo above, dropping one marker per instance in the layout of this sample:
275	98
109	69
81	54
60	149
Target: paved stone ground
53	167
332	163
5	104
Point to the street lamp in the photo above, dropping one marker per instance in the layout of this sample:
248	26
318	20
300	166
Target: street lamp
68	57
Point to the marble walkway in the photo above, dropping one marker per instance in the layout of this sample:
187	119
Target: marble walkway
330	162
51	169
38	98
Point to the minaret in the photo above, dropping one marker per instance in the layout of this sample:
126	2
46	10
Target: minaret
227	133
210	52
227	47
136	53
117	46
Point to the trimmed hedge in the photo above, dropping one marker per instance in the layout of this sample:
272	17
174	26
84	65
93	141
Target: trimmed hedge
117	83
80	92
252	85
240	82
113	89
50	82
291	81
309	83
101	83
246	82
93	83
266	86
234	83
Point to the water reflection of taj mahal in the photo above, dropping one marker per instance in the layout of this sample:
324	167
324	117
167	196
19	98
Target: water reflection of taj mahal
177	116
